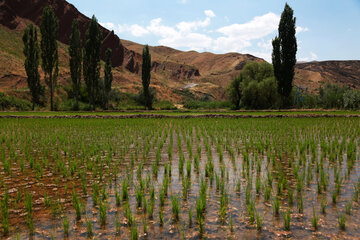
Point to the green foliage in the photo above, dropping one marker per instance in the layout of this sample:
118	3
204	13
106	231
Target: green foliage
49	28
175	207
108	77
315	220
32	55
4	204
284	55
258	86
234	91
260	95
331	96
206	104
351	99
66	225
11	102
75	51
147	95
287	219
342	221
91	64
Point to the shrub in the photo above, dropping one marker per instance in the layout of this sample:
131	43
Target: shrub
331	96
13	103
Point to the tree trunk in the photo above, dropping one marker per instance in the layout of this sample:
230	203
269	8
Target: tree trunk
77	100
51	94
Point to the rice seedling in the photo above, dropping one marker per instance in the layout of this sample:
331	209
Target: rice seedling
118	226
315	220
29	210
117	198
145	226
139	196
161	197
134	232
252	212
356	194
300	203
89	228
102	209
76	204
175	208
66	225
188	169
150	208
124	188
323	205
190	218
342	221
287	218
161	217
348	208
276	206
4	204
259	222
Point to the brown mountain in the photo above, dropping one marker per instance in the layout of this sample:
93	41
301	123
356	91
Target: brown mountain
175	74
312	74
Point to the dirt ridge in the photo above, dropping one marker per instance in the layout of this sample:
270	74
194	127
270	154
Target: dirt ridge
160	116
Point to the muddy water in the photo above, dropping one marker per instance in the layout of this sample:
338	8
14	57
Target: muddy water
48	226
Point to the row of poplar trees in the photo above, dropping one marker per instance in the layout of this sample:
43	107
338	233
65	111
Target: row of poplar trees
83	61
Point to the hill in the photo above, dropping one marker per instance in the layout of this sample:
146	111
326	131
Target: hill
176	75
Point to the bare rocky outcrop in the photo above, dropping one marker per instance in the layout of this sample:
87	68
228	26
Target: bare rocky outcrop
14	12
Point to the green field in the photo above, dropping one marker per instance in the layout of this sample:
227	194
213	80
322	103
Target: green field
180	178
184	112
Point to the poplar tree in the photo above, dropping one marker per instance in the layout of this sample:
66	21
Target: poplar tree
75	51
146	76
108	77
49	28
91	64
284	54
32	54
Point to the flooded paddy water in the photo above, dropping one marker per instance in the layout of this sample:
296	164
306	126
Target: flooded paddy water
180	178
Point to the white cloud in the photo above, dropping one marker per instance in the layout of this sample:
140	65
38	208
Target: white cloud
209	13
258	27
266	45
108	25
183	1
313	57
182	37
253	37
236	37
135	29
301	29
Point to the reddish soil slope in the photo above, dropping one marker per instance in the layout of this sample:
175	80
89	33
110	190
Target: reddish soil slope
175	74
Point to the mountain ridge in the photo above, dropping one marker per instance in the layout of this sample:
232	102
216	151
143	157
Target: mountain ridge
175	73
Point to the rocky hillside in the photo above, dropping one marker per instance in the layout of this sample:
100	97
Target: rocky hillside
312	74
176	75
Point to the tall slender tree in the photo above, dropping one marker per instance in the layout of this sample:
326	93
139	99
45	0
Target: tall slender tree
284	54
91	63
32	55
75	51
146	76
49	28
234	91
108	77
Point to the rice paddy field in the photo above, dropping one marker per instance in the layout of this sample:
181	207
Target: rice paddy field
211	178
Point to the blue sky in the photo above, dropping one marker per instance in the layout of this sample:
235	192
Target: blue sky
327	29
